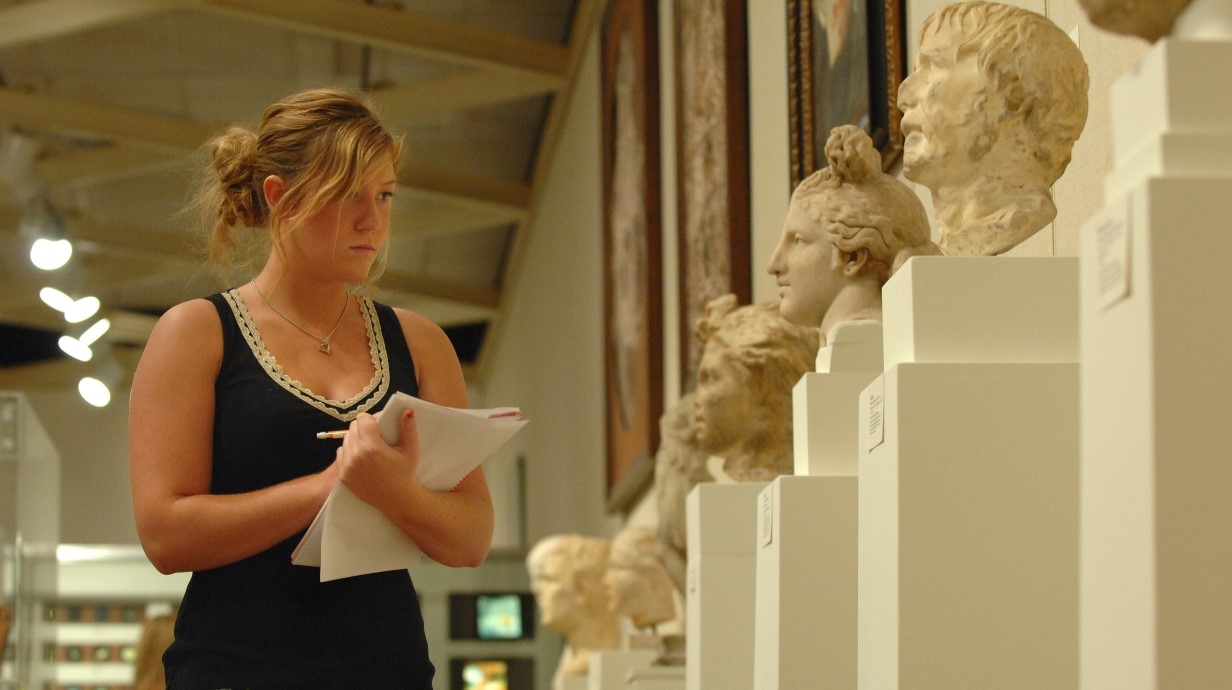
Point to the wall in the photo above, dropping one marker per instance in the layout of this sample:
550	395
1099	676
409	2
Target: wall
551	359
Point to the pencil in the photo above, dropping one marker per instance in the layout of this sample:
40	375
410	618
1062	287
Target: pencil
331	434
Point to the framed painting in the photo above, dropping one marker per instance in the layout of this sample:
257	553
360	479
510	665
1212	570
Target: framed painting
633	292
846	59
712	139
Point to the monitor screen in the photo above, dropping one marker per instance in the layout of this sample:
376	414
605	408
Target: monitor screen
492	616
491	673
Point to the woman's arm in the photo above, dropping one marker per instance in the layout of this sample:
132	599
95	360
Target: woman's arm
452	527
182	526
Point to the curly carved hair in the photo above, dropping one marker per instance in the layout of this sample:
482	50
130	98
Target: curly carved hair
1028	58
861	207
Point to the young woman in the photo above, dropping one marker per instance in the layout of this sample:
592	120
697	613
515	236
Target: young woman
226	470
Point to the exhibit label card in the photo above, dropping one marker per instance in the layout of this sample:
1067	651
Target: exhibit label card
1112	240
874	397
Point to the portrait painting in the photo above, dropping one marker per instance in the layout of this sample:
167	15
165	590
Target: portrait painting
632	255
846	59
712	142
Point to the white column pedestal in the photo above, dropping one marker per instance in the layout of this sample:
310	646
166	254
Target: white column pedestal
806	584
968	538
1156	439
609	670
722	543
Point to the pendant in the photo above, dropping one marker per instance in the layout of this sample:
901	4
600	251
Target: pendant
324	346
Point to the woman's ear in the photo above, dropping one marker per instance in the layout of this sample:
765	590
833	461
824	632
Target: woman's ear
273	188
853	261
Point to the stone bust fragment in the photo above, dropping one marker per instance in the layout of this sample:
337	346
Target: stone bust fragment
566	576
638	586
1149	19
751	359
990	114
849	226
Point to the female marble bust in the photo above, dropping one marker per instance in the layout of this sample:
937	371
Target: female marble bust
751	359
849	226
566	575
991	113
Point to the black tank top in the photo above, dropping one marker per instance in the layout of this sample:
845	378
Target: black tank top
262	622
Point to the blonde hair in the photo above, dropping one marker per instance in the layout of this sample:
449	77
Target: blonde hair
322	143
156	635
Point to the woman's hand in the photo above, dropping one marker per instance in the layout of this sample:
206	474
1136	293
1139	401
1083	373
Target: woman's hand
377	473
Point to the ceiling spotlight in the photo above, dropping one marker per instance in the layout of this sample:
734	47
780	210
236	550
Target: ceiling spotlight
82	309
94	332
55	299
75	348
94	391
51	248
75	311
50	254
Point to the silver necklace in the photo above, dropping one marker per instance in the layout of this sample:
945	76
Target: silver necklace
324	342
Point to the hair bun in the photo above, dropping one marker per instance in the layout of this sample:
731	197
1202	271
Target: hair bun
232	155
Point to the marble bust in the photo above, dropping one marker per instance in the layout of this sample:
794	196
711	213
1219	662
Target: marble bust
638	586
1149	19
566	576
990	114
680	465
751	359
849	226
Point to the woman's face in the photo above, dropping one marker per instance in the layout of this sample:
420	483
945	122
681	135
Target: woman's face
804	269
344	239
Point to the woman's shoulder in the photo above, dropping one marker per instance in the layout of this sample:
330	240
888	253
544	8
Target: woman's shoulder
195	321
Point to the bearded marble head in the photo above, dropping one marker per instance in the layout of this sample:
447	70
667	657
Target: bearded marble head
1149	19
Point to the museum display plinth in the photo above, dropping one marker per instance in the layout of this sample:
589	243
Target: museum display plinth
1156	314
721	585
657	678
806	584
968	539
609	669
981	309
824	402
968	479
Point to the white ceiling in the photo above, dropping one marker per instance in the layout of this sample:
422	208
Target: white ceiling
119	94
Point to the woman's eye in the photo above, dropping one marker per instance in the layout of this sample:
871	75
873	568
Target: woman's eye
385	196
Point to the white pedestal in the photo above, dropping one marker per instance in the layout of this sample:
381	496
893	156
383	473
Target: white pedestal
806	584
722	543
1166	122
982	309
657	678
609	670
968	539
571	683
824	403
1156	469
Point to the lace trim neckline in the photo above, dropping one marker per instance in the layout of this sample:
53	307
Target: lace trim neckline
343	410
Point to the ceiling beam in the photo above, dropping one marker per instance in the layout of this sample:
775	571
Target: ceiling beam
456	92
502	193
448	290
42	20
404	32
41	112
180	136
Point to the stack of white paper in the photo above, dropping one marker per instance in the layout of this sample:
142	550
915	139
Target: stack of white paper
349	537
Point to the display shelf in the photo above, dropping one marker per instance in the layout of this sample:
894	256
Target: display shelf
609	670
